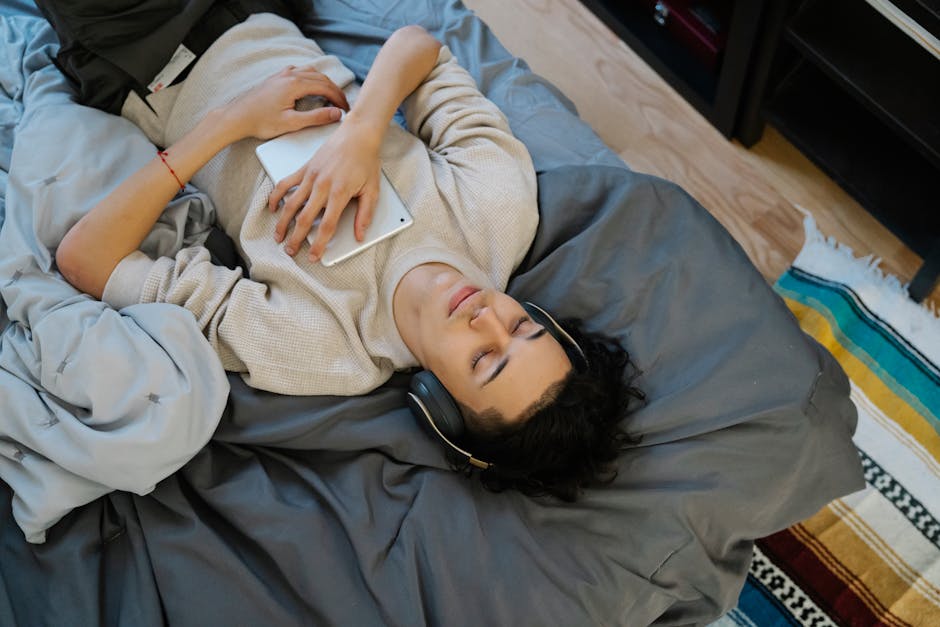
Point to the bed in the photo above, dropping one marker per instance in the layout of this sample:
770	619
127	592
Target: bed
321	510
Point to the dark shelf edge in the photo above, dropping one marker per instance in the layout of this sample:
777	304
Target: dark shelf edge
912	188
843	78
927	277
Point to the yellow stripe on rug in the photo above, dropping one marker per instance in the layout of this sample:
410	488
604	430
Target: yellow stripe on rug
813	323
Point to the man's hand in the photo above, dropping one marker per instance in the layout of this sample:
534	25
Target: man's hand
347	166
267	110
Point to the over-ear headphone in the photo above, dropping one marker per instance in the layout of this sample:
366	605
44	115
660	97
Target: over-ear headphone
437	410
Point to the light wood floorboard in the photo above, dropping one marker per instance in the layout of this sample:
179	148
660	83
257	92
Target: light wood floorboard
752	192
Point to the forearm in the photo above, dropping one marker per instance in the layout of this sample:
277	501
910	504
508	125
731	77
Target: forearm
118	224
404	61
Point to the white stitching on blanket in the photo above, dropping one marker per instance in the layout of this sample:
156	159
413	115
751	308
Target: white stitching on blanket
114	536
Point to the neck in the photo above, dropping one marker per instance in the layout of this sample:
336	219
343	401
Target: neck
411	294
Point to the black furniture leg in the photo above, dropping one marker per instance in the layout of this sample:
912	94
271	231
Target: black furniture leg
926	278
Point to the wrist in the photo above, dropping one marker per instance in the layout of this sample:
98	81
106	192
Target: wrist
368	127
224	126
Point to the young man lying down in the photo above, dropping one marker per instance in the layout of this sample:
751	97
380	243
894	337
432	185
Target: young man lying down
432	296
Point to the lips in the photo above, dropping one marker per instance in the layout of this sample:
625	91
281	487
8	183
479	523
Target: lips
462	294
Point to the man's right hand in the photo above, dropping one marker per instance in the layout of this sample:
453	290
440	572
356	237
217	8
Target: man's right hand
267	110
347	166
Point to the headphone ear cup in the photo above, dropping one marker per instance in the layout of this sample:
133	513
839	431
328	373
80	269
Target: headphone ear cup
440	405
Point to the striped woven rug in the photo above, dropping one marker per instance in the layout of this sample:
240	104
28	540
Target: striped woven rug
873	557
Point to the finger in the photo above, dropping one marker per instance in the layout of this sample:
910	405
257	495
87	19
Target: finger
305	220
314	117
312	68
283	186
319	86
312	74
366	209
291	206
327	228
316	80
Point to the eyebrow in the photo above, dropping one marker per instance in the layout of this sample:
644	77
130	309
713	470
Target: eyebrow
502	364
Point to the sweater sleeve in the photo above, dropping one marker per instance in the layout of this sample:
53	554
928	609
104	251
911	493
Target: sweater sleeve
280	337
488	172
458	123
190	280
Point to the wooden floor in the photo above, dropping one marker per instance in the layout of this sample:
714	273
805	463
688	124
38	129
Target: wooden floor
753	192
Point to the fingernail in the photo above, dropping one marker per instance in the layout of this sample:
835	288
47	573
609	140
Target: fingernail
289	250
277	238
335	114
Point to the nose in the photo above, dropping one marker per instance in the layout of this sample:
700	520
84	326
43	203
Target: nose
487	322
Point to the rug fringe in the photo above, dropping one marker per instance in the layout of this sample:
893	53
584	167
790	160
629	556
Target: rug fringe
883	293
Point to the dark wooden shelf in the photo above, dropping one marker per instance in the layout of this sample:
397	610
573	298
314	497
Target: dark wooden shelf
844	84
894	182
875	63
716	94
635	26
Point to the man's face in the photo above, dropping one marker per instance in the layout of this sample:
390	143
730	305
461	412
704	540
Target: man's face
483	347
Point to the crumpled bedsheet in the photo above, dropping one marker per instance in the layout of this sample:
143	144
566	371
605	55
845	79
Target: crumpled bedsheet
323	510
85	391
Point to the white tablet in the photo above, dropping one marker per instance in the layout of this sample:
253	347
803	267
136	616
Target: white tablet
284	155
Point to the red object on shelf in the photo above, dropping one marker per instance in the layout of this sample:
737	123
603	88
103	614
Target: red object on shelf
698	25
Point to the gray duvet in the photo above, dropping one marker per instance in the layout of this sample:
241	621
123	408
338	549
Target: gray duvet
326	510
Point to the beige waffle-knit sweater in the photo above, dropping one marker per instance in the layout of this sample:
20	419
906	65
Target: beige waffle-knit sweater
299	328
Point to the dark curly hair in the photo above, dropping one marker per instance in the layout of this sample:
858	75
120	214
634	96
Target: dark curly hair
572	436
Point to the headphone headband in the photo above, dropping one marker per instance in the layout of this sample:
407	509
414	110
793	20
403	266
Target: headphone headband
563	337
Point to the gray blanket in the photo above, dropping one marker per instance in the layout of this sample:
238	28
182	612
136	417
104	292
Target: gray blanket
341	511
86	391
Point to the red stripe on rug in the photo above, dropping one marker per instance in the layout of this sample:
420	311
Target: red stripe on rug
830	593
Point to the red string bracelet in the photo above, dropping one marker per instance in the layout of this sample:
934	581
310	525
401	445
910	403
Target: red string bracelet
163	155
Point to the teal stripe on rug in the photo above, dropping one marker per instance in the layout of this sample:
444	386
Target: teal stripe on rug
875	344
757	607
761	607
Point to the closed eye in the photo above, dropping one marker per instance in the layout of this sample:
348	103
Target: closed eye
515	329
478	357
539	332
